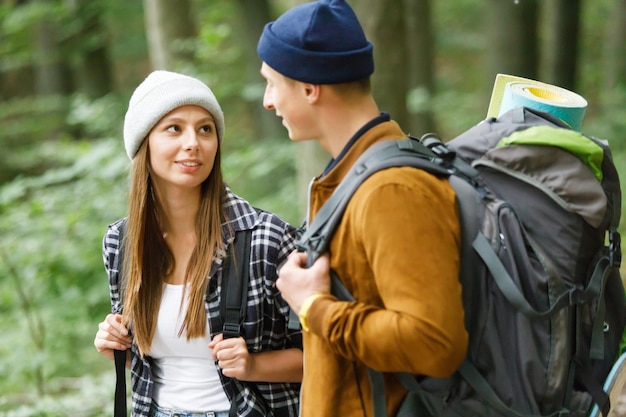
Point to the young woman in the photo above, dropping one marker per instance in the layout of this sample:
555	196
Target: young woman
181	223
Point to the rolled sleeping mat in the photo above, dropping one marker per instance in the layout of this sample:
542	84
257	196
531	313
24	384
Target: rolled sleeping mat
510	92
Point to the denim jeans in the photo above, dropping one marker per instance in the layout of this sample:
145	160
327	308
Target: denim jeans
156	411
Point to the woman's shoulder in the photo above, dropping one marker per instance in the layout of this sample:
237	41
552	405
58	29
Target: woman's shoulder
243	215
114	233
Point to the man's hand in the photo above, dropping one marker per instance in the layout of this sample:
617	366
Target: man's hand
296	282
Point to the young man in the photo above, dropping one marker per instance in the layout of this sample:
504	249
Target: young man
397	247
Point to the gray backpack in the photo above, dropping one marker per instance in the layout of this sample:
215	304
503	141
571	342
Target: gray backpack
545	309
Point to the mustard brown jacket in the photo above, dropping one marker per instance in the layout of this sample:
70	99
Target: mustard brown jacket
397	251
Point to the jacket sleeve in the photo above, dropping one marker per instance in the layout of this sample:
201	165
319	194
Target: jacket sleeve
280	238
397	251
112	259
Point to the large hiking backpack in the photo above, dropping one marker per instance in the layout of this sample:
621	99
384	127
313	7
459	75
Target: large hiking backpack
545	309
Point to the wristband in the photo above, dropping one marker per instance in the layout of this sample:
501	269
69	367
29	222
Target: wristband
305	308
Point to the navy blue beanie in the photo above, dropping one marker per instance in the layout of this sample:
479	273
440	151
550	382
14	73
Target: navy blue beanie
319	42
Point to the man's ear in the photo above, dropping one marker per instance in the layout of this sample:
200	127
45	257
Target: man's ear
312	92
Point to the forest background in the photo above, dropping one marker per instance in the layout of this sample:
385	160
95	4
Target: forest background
68	67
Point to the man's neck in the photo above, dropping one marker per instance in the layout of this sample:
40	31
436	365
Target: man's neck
341	122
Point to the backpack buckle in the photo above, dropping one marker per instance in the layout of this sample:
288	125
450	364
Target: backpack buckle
576	296
615	249
230	330
432	142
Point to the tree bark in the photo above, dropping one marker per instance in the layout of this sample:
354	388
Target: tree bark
615	51
169	28
511	28
562	43
420	53
253	15
94	72
384	24
52	73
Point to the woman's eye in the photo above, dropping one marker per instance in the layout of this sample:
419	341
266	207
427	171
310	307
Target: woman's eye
206	129
173	128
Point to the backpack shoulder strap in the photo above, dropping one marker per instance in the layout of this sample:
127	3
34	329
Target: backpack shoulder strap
382	155
235	284
119	409
235	278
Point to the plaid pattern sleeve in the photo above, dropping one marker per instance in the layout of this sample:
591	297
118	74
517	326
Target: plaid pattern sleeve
111	258
264	327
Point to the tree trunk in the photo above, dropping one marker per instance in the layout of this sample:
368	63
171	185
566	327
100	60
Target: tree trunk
52	74
169	29
94	72
384	24
511	28
420	56
562	43
615	51
253	15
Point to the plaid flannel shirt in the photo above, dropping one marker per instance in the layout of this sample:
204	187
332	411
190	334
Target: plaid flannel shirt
264	327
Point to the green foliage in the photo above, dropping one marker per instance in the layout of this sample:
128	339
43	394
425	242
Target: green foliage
264	174
96	118
84	396
30	127
54	290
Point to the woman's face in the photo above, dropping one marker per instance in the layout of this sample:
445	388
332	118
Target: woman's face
183	145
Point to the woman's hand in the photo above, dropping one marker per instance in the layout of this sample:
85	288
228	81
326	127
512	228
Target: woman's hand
112	335
233	358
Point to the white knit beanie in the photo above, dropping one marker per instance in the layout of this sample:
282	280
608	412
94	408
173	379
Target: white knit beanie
160	93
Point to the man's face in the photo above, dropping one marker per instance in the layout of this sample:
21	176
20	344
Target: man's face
287	97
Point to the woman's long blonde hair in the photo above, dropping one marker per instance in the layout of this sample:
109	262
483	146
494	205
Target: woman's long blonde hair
147	258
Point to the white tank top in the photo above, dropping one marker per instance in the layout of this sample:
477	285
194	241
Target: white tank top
185	376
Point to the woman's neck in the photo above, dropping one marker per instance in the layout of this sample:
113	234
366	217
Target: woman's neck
178	211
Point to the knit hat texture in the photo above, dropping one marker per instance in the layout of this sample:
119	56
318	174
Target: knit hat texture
319	42
160	93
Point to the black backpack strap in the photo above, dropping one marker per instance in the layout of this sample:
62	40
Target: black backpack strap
235	278
119	408
235	284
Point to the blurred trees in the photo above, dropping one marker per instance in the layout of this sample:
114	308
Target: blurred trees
562	42
171	31
512	38
67	68
614	55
